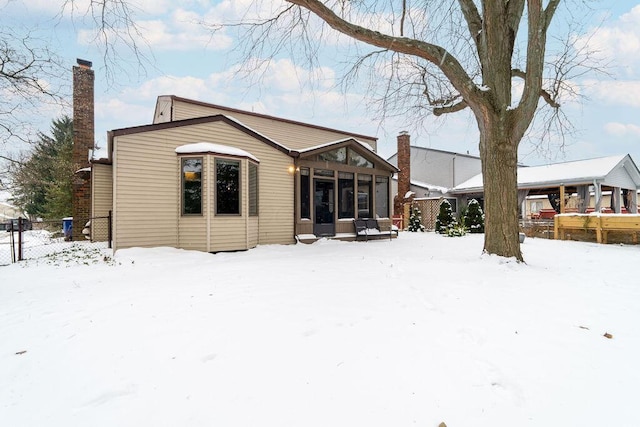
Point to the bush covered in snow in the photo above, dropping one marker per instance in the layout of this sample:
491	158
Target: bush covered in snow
474	218
445	218
415	219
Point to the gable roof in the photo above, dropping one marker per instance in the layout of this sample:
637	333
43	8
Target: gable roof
349	141
320	147
288	132
578	172
195	121
249	131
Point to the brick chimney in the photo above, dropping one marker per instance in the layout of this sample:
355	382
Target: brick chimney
404	176
83	144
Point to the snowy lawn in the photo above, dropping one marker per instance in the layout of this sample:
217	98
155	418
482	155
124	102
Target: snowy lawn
413	332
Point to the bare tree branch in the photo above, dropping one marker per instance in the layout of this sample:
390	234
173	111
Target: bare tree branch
474	23
438	111
433	53
548	97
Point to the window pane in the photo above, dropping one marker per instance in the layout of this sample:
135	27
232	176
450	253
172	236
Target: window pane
191	186
305	205
364	196
323	172
338	155
345	195
356	159
382	197
253	189
227	187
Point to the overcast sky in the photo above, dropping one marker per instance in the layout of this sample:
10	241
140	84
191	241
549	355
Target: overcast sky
186	60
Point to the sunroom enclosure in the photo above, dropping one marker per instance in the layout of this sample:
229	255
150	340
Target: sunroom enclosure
334	186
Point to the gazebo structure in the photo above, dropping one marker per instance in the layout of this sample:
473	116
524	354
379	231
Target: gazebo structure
588	180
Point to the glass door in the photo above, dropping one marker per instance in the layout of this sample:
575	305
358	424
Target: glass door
324	204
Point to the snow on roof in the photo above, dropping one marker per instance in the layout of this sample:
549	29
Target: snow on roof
430	187
568	172
328	144
208	147
426	185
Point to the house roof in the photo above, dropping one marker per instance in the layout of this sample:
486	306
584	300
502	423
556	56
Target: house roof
366	147
578	172
426	185
200	120
248	130
339	141
231	111
208	147
416	147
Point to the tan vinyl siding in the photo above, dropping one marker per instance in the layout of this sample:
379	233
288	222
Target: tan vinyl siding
148	188
145	191
228	233
102	199
254	228
291	135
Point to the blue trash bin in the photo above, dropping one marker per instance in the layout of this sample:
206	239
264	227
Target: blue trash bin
67	227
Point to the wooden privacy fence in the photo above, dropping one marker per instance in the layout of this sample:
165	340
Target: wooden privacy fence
602	224
429	209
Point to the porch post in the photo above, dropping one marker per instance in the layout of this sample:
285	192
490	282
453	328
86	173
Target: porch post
598	194
633	205
562	210
615	197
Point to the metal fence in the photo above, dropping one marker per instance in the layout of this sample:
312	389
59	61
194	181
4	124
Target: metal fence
537	228
21	239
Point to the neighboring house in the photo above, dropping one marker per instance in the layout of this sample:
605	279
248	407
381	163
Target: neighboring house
427	174
580	186
8	211
211	178
434	171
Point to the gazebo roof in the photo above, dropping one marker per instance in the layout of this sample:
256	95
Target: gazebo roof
614	171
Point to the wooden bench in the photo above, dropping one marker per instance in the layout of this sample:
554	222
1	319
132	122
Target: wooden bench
370	229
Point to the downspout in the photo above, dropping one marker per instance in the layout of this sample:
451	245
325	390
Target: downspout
295	155
207	177
453	171
114	192
112	211
245	212
598	194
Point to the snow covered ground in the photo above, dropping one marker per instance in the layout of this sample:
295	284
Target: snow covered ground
410	332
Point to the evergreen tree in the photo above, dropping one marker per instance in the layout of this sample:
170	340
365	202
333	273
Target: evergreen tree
445	218
474	219
43	180
415	219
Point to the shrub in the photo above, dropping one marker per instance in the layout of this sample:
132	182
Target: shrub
445	217
474	218
415	220
456	230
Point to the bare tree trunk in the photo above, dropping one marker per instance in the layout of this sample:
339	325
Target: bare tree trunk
499	156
